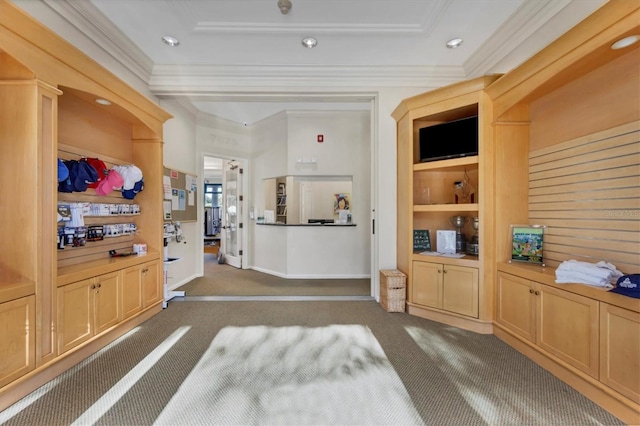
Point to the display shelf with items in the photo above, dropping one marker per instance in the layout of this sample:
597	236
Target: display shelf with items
566	144
49	111
445	181
281	202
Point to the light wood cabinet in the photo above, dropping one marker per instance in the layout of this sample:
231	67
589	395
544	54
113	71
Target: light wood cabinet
469	291
152	283
48	109
447	287
620	350
87	308
141	287
131	291
17	346
561	323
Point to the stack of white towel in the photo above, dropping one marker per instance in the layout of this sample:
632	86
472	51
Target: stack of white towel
601	274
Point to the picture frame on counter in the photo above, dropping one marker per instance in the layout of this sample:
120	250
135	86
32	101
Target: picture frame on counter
527	243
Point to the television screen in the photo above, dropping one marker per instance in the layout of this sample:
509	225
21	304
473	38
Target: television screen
452	139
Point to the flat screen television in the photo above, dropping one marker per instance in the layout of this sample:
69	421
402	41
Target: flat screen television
452	139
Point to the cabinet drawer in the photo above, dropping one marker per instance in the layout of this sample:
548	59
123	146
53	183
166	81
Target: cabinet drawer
620	350
567	327
515	307
17	346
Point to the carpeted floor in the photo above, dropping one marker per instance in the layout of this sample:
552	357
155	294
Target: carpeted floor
225	280
452	376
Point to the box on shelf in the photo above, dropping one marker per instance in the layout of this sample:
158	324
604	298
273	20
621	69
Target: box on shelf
393	290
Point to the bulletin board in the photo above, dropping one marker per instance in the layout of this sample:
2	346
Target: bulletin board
180	196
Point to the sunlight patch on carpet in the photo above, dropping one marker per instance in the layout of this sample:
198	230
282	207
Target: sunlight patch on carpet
292	375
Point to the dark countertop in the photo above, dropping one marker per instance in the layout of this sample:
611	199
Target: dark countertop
315	225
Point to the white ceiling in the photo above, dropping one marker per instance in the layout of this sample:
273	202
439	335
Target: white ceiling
242	60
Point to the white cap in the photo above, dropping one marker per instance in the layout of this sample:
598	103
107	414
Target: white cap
130	174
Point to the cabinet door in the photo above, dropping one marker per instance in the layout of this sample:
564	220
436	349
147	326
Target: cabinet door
567	327
17	346
75	314
152	283
106	301
516	305
426	288
620	350
460	290
132	291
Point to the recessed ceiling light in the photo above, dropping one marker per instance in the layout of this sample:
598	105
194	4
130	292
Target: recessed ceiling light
454	42
171	41
309	42
103	101
624	42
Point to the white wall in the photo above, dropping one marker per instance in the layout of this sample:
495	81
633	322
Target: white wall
309	252
179	148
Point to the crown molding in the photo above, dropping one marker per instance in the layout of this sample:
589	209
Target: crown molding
526	20
88	19
183	79
315	28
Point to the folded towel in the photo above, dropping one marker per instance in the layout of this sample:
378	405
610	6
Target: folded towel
566	277
600	269
601	274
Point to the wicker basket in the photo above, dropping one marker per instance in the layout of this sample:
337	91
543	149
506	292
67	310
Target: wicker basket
393	289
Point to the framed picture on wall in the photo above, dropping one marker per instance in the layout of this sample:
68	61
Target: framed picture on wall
527	243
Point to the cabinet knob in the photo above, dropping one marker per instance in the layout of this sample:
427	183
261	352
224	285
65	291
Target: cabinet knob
144	271
93	287
445	271
99	285
531	290
537	293
439	271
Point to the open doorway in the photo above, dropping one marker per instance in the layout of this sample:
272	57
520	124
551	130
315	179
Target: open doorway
213	197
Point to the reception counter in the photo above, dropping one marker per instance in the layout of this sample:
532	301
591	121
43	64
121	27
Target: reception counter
316	224
312	250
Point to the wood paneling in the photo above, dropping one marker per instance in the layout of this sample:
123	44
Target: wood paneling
599	100
586	191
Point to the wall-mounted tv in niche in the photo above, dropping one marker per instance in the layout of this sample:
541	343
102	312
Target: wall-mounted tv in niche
453	139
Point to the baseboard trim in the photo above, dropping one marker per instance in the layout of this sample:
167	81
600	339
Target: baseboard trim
31	381
185	281
466	323
615	403
311	277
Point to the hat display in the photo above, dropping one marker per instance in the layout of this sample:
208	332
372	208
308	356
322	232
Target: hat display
131	193
63	171
66	185
112	181
130	173
100	168
628	285
82	174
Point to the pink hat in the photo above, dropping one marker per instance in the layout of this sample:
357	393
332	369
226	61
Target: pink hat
112	181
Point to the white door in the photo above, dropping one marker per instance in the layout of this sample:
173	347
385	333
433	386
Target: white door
231	232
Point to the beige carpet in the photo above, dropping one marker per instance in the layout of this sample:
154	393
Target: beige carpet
453	377
333	375
225	280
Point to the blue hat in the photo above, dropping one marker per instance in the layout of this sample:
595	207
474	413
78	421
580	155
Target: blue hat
63	171
66	185
82	175
628	285
131	193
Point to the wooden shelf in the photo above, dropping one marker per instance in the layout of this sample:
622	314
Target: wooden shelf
445	208
453	164
467	260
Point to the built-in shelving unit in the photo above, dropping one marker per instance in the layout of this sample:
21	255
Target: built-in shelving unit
457	291
281	200
54	302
